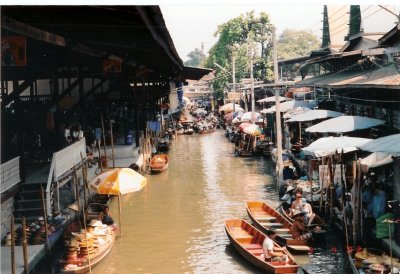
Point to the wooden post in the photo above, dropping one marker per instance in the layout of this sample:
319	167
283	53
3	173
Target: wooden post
100	165
78	196
12	246
25	246
112	144
84	182
45	219
87	245
104	136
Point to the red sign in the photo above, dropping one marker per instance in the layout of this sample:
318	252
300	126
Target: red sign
111	65
13	51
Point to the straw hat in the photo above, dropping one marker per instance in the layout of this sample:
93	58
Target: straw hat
297	213
289	188
95	222
73	207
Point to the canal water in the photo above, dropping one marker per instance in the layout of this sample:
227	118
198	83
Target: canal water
175	224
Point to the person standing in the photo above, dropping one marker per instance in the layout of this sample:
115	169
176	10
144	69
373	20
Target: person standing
97	137
67	135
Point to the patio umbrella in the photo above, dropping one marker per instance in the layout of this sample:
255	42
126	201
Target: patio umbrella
285	106
345	124
329	145
118	181
314	115
272	99
242	126
294	112
389	144
253	129
229	108
247	116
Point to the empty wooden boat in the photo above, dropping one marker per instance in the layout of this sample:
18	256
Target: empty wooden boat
159	163
248	241
265	217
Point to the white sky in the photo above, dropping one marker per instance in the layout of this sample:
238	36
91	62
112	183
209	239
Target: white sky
190	25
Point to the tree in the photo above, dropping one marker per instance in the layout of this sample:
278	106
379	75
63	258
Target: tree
233	38
196	58
296	43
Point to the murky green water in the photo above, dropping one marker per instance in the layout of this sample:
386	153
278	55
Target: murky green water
175	225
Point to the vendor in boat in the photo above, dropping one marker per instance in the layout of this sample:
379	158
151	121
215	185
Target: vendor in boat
288	198
299	230
271	252
300	204
105	216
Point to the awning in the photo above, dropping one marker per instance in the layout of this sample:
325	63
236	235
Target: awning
390	144
329	145
377	159
314	115
193	73
381	77
345	124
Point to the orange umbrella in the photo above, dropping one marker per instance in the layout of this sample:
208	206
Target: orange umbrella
118	181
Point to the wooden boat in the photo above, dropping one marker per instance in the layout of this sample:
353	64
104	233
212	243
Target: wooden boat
265	217
84	264
159	163
317	221
248	241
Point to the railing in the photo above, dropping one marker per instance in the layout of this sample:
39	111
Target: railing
10	175
62	162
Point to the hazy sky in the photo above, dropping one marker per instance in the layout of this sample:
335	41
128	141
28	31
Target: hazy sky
189	25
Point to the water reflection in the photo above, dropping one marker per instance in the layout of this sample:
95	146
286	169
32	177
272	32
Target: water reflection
175	225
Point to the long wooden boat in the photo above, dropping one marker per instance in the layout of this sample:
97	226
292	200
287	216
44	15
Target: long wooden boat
248	241
83	265
317	221
159	163
265	217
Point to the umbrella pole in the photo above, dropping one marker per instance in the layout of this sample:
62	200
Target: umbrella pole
119	214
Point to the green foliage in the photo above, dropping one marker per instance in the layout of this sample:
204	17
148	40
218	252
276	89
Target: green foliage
196	58
233	38
296	43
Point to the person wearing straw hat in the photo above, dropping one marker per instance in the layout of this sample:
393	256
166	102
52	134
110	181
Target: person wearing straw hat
299	230
288	198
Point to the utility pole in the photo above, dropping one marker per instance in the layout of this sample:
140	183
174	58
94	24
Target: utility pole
233	81
252	83
277	113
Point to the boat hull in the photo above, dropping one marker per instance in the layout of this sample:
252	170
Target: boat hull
247	240
264	217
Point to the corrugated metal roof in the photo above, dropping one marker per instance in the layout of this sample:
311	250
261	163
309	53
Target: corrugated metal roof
383	77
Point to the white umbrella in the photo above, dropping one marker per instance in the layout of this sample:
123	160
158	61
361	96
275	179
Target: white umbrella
285	106
297	111
229	107
313	115
247	116
329	145
272	99
345	124
389	143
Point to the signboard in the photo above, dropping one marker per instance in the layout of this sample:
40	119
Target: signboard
112	65
13	51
